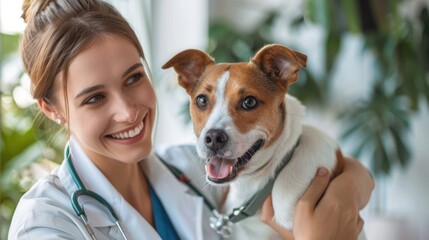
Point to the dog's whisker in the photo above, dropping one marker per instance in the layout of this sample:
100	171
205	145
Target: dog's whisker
194	162
206	187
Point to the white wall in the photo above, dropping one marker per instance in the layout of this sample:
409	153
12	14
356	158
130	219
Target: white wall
177	25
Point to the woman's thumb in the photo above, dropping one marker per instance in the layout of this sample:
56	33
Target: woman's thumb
315	191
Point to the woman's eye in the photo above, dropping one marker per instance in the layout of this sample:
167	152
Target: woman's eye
134	78
93	99
249	103
202	101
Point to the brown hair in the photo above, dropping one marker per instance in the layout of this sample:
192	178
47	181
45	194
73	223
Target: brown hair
57	31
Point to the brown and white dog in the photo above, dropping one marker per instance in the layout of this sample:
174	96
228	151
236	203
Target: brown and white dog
246	123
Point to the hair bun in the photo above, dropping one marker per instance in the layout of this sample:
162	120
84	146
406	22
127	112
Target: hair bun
31	8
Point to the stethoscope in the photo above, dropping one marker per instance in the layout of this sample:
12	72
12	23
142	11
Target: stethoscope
219	222
82	191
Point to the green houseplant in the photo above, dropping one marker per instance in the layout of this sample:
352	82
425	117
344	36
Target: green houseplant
378	124
24	139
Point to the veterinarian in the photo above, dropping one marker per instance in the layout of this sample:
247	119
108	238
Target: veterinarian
89	76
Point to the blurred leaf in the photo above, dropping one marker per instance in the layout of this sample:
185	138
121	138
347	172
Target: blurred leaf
317	11
402	150
14	142
395	19
352	19
297	22
410	75
352	128
380	10
242	50
307	89
333	44
424	41
31	154
365	143
380	163
389	47
9	45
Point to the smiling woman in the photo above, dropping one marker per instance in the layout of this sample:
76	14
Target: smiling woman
87	71
115	99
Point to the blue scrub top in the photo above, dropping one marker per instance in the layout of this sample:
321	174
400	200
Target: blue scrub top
163	224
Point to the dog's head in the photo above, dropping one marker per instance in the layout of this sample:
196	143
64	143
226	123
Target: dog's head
237	108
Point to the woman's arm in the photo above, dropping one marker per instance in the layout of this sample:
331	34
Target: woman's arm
328	210
355	180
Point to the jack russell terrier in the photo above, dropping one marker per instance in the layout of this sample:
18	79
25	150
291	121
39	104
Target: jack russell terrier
250	133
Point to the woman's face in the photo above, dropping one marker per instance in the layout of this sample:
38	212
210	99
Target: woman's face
111	102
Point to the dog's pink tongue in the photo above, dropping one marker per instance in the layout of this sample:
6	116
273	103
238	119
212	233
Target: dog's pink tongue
218	168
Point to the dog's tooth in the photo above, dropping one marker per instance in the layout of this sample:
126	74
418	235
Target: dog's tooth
205	167
228	153
231	168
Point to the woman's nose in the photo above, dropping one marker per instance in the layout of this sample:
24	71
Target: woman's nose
125	110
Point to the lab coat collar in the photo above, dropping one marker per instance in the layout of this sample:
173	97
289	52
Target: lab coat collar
133	223
184	209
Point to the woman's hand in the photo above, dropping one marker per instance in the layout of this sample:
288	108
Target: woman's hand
322	213
328	210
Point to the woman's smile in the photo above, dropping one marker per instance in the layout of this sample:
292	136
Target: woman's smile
127	134
130	135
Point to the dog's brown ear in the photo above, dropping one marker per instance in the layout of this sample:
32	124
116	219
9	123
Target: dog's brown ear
189	65
280	63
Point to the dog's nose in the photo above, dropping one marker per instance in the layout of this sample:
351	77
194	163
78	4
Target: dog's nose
216	139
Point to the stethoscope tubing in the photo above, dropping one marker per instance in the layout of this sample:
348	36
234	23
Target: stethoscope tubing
82	191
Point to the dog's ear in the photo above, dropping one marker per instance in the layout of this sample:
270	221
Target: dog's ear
189	65
280	63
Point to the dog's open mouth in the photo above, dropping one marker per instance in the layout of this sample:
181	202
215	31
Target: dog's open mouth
220	170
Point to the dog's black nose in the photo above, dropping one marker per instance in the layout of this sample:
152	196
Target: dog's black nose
216	139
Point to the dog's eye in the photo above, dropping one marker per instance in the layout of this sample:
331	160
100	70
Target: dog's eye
202	101
249	103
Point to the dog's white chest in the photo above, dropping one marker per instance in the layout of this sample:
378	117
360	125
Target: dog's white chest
315	150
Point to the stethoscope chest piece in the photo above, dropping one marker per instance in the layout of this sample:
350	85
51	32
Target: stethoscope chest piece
221	224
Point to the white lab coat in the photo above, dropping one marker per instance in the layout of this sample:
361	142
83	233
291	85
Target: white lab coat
45	211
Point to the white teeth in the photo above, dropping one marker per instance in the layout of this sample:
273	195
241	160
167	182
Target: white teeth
230	169
205	166
129	134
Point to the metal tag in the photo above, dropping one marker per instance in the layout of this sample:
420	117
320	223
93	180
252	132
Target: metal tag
221	224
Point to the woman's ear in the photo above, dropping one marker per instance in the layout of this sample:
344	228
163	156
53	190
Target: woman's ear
50	111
